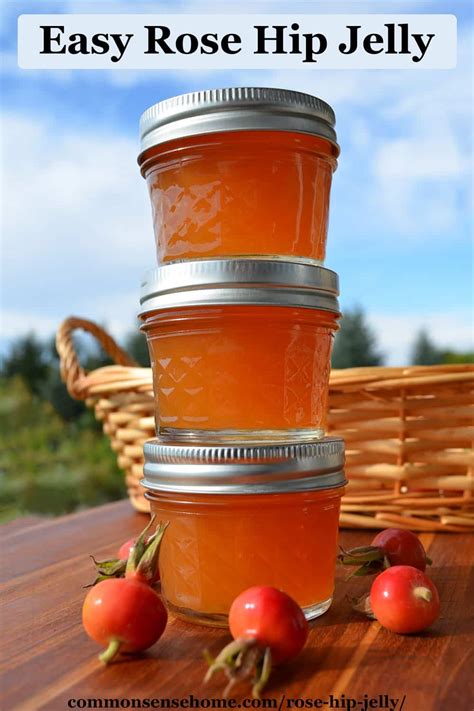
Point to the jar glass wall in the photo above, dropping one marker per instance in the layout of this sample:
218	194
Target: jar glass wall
255	372
240	194
216	546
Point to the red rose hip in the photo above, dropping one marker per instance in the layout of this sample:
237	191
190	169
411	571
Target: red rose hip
123	615
268	626
404	599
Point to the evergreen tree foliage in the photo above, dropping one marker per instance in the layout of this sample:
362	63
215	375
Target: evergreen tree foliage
136	346
355	345
424	351
28	359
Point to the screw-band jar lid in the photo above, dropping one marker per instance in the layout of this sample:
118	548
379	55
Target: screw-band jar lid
208	282
280	468
236	109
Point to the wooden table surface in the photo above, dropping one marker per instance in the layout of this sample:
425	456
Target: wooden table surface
47	659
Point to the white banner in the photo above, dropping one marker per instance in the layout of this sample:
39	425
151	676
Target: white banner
206	42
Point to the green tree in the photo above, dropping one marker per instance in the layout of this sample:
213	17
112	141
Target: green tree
355	344
458	357
424	351
28	359
54	457
48	466
136	346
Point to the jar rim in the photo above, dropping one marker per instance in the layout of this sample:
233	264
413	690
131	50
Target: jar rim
236	109
254	469
207	282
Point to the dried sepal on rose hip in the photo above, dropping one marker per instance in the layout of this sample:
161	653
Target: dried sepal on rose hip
106	569
141	558
268	628
142	563
402	598
394	546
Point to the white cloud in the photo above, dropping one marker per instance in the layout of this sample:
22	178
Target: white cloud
421	179
11	319
422	157
421	170
77	229
396	332
71	198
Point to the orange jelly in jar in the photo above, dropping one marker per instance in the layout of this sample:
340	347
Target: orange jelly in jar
239	173
236	355
244	517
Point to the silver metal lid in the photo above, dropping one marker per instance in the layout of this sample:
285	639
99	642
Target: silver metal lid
271	469
239	281
236	109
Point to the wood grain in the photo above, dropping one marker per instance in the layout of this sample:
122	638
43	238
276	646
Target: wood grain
47	659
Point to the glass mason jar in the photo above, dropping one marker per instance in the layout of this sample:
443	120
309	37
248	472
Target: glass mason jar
243	172
239	349
240	517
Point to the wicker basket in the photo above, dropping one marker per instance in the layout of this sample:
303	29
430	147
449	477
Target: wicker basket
408	433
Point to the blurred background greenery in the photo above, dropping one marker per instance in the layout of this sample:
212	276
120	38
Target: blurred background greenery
54	458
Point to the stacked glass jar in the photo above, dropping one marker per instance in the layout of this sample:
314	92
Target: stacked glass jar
239	318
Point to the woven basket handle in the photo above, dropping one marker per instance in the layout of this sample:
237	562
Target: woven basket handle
71	369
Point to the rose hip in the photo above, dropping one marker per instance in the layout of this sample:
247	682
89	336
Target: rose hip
403	599
268	627
394	546
123	615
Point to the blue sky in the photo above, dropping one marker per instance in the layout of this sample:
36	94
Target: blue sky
76	221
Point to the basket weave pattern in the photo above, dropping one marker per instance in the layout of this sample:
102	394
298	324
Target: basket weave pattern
408	431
